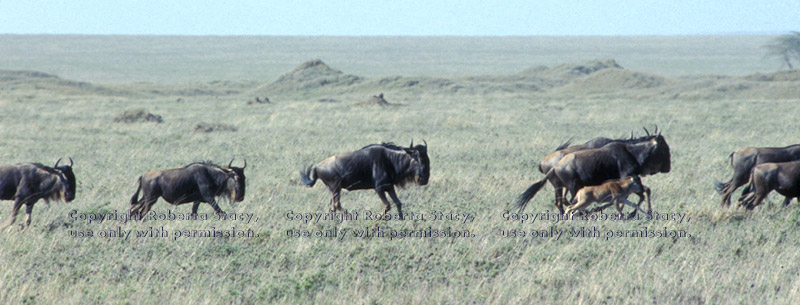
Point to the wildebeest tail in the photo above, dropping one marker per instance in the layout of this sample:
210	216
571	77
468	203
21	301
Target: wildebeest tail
719	186
526	197
135	197
309	175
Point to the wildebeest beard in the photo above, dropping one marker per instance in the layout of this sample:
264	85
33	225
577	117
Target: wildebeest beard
406	166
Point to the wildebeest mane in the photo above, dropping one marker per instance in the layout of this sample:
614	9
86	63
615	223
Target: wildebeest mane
46	168
396	163
205	162
389	145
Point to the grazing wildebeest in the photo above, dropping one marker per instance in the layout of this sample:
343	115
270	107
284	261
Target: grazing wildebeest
26	183
552	159
783	177
597	165
745	159
376	166
197	182
615	192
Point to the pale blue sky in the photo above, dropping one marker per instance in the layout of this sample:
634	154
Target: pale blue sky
399	17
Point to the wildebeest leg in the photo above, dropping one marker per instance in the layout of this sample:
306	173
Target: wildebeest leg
561	200
618	204
560	194
396	201
337	204
746	200
642	196
386	205
625	201
759	197
336	189
745	191
146	206
195	205
134	210
738	180
17	204
214	205
209	197
28	210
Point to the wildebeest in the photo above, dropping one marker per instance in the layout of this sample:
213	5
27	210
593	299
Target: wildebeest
597	165
197	182
26	183
376	166
745	159
783	177
615	192
552	158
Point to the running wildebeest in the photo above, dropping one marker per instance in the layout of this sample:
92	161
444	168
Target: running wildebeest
615	192
745	159
552	159
197	182
26	183
783	177
376	166
597	165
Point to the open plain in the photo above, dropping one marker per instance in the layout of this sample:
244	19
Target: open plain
489	109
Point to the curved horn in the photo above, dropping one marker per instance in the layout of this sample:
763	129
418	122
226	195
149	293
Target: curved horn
631	134
59	160
412	143
658	132
245	164
645	131
70	161
423	142
230	163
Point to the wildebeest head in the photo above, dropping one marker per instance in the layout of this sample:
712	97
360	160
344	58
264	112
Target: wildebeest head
236	181
657	158
69	177
420	161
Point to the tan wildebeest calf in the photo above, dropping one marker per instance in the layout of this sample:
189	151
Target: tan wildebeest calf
615	192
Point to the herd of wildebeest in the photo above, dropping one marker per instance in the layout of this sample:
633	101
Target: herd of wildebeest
601	170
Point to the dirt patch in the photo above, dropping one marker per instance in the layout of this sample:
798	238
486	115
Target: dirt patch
203	127
376	100
137	115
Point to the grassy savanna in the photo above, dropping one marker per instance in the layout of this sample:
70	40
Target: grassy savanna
486	134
